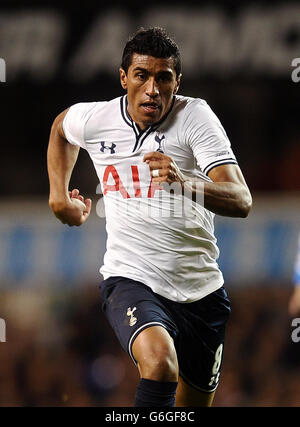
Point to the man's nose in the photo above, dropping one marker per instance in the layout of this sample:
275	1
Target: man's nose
152	88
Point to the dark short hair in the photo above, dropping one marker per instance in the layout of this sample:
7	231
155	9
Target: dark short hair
154	42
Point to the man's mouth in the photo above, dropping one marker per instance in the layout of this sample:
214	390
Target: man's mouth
150	107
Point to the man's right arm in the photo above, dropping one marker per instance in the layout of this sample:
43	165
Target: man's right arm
69	207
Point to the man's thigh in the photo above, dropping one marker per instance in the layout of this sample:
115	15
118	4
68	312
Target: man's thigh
131	307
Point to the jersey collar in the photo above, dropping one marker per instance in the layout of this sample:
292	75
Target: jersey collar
127	118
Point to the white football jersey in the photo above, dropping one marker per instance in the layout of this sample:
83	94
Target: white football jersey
159	237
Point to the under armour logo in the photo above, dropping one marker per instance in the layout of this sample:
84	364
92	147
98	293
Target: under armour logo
132	320
159	141
107	147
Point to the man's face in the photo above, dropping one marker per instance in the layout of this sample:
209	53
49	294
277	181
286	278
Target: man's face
150	83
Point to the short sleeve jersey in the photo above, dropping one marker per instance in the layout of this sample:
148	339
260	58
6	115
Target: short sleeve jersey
156	234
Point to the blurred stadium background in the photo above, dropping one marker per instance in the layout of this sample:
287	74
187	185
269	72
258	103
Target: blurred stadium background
59	349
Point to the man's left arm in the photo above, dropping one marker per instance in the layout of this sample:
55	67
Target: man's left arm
227	194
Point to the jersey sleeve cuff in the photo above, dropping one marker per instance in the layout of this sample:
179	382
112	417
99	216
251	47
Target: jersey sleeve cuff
216	163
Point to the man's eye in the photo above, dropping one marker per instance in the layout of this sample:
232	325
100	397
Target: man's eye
165	78
141	76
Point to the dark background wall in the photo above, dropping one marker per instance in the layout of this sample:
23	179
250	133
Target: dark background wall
236	55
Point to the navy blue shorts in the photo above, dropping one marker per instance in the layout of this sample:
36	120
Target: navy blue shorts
197	328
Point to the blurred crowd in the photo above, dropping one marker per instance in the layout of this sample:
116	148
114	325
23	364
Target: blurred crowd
261	361
60	351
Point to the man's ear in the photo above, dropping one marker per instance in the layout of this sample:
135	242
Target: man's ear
123	78
178	80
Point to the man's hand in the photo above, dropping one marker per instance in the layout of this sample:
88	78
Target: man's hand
74	211
163	168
